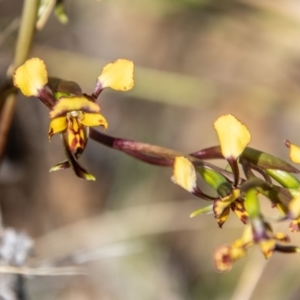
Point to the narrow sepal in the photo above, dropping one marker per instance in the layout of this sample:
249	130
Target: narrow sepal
60	166
204	210
61	87
78	170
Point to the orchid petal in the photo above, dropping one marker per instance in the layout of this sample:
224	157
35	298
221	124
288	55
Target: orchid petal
117	75
90	120
233	136
57	125
74	103
294	153
31	77
184	174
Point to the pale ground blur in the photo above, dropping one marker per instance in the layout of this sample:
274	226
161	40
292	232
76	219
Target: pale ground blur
195	61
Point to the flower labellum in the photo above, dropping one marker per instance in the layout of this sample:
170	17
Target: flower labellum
73	115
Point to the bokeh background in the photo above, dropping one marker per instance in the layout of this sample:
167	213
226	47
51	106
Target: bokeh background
130	230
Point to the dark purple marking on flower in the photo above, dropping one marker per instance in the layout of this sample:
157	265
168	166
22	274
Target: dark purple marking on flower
221	223
244	219
226	259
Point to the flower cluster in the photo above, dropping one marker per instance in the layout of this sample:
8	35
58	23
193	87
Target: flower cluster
241	194
250	173
72	112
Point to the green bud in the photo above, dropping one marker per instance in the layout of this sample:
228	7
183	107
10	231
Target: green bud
286	179
267	161
60	13
211	177
252	204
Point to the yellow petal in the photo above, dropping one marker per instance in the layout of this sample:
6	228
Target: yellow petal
247	236
93	120
294	207
237	253
238	207
282	237
74	103
184	174
295	153
267	247
232	197
31	77
222	218
221	207
57	125
233	136
118	75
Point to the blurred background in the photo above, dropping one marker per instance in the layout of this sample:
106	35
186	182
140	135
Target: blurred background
130	230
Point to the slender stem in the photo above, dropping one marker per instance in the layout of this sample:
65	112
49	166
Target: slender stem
6	116
24	41
26	33
151	153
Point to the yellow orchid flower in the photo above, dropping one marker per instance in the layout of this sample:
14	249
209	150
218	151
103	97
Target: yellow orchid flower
233	201
74	114
226	255
71	111
234	138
